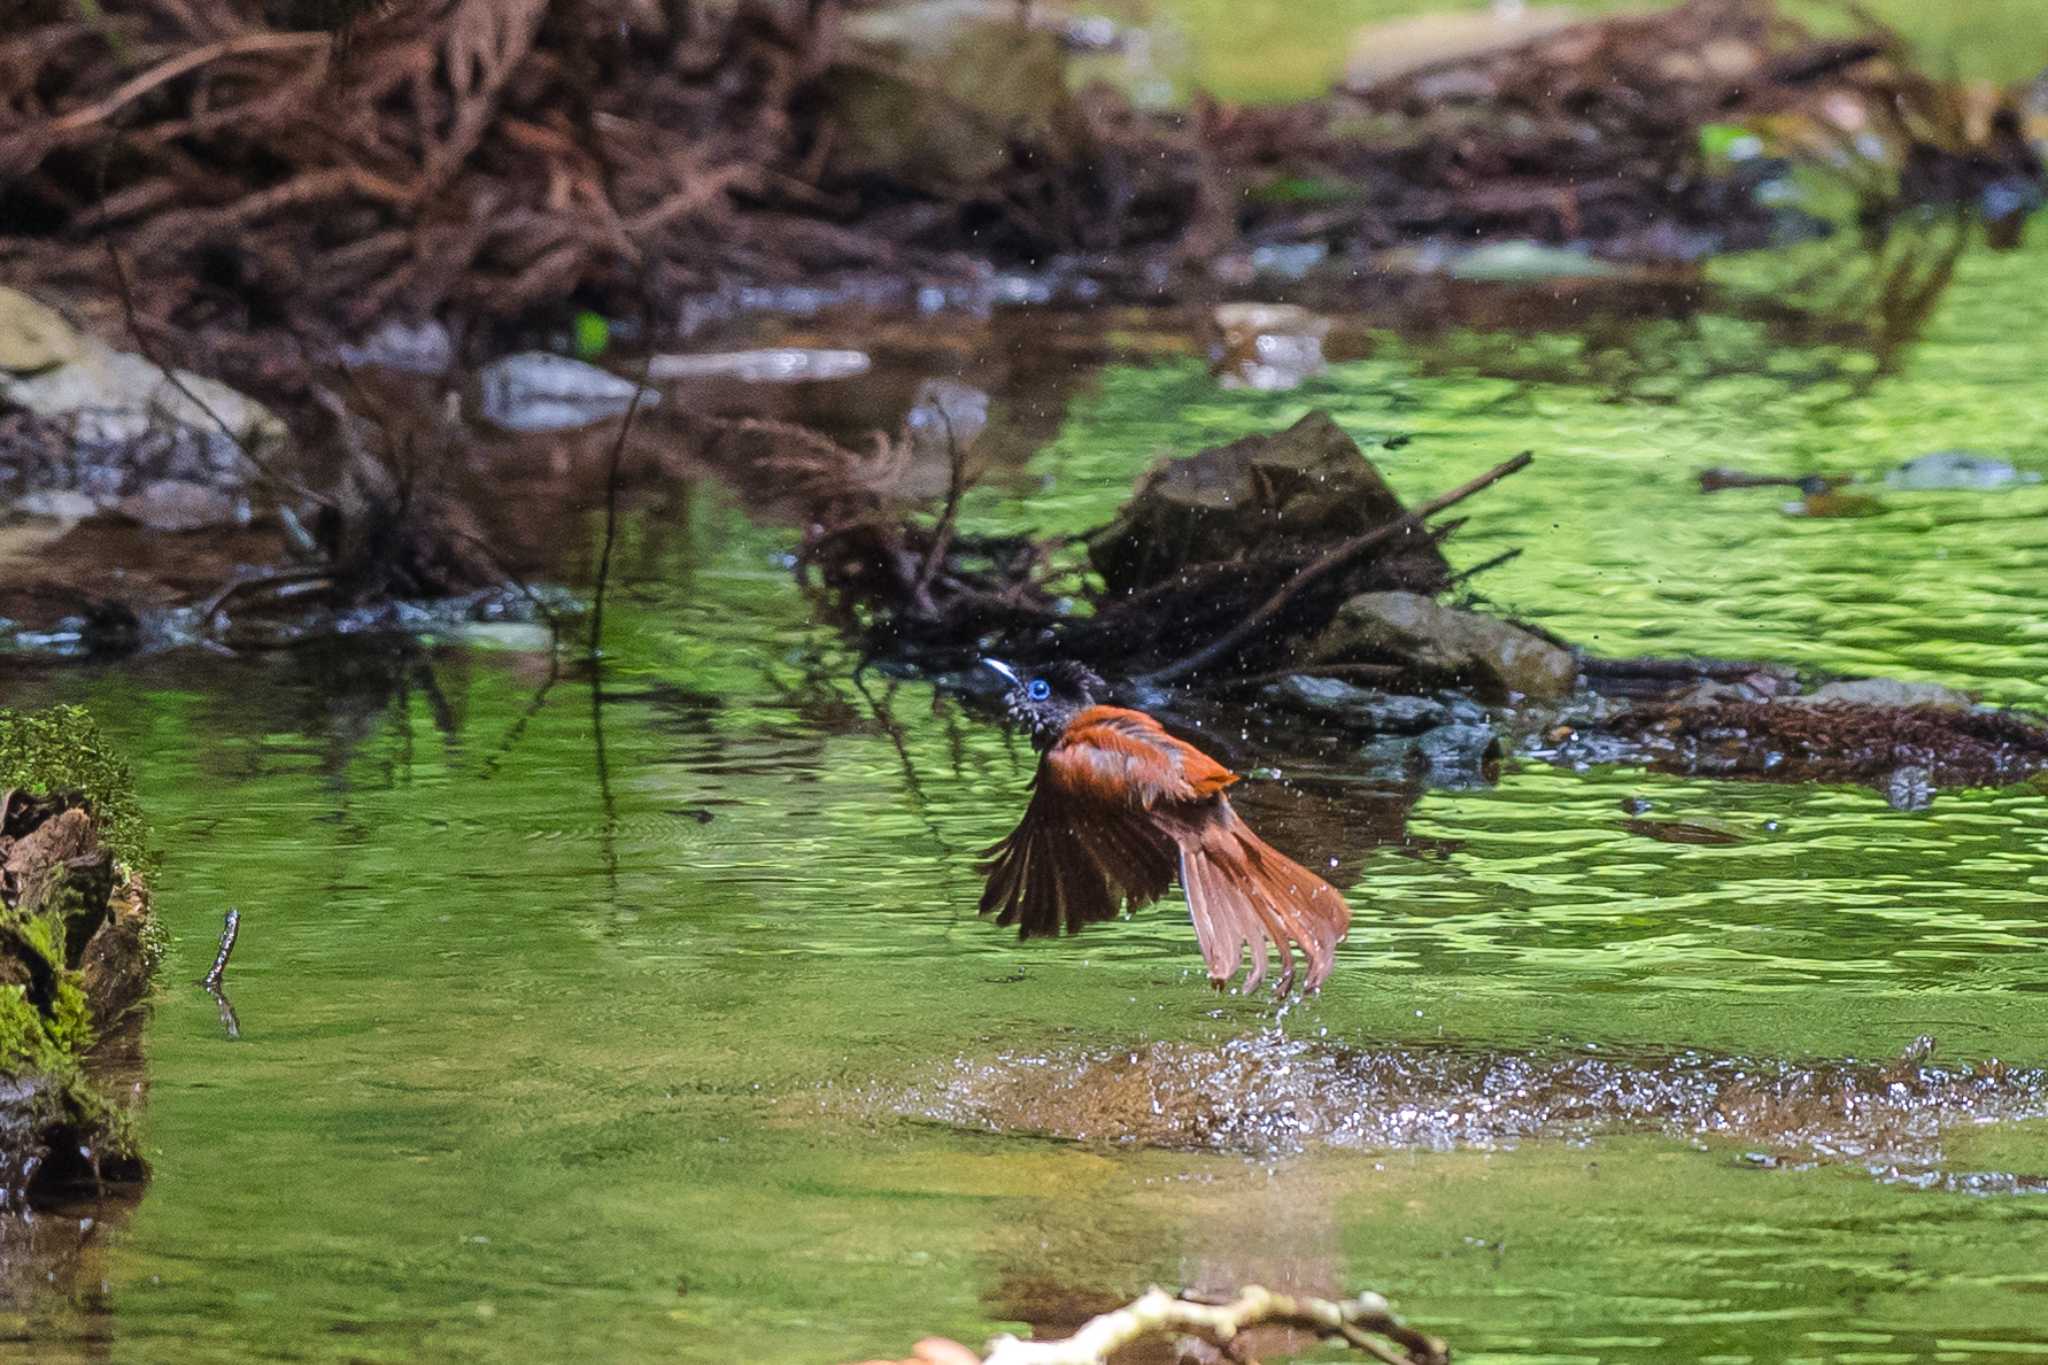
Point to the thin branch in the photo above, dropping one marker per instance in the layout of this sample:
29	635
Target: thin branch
1336	558
1504	557
212	606
177	66
611	507
217	974
942	537
229	932
1158	1313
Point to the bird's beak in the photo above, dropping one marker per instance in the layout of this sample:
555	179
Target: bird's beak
998	666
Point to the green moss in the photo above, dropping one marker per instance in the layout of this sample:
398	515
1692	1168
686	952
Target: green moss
46	1023
61	749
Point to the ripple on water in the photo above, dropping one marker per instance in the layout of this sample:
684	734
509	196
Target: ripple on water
1270	1095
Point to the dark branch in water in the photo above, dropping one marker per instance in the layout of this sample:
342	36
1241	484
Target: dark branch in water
229	932
1504	557
942	536
611	506
217	973
1337	557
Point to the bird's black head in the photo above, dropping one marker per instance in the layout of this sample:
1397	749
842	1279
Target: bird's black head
1046	699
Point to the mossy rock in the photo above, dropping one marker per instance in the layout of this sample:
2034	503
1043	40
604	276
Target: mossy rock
78	947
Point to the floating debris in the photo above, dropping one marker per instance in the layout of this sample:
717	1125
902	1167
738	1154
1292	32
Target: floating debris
778	365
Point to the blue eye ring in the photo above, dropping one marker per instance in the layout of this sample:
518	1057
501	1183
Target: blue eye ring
1038	689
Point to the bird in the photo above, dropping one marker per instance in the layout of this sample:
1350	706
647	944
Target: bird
1119	811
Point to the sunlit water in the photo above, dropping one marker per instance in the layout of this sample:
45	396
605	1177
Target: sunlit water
657	1024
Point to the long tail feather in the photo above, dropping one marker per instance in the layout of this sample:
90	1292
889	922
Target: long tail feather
1244	894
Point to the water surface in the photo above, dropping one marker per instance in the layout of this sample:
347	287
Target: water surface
617	1021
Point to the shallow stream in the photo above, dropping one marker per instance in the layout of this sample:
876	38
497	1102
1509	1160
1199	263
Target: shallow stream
652	1020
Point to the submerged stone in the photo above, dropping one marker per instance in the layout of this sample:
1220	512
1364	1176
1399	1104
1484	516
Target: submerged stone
1362	708
32	336
1886	692
1459	756
1271	1095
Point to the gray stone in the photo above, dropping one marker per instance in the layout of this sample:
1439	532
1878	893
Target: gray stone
1510	262
33	337
1423	634
1267	347
1956	469
1299	490
1909	788
1459	755
944	416
1390	758
57	504
1887	692
116	396
178	505
539	391
408	347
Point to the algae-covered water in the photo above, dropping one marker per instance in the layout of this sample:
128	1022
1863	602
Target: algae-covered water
651	1019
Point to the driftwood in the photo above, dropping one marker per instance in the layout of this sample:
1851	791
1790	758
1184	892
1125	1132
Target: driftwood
1360	1322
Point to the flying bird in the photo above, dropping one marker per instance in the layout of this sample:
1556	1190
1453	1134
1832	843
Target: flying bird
1119	811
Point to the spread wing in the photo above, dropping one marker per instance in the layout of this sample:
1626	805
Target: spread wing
1119	808
1088	844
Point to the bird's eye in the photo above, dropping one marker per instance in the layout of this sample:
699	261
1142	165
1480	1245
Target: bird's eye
1038	689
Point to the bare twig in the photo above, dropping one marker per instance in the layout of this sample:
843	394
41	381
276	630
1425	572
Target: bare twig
942	536
1336	558
229	932
177	66
217	974
611	506
1158	1313
212	606
1504	557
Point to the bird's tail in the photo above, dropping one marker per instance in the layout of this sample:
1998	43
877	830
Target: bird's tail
1243	893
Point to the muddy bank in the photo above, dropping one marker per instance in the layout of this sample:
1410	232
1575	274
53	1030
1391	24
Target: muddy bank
78	947
1270	1095
282	189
